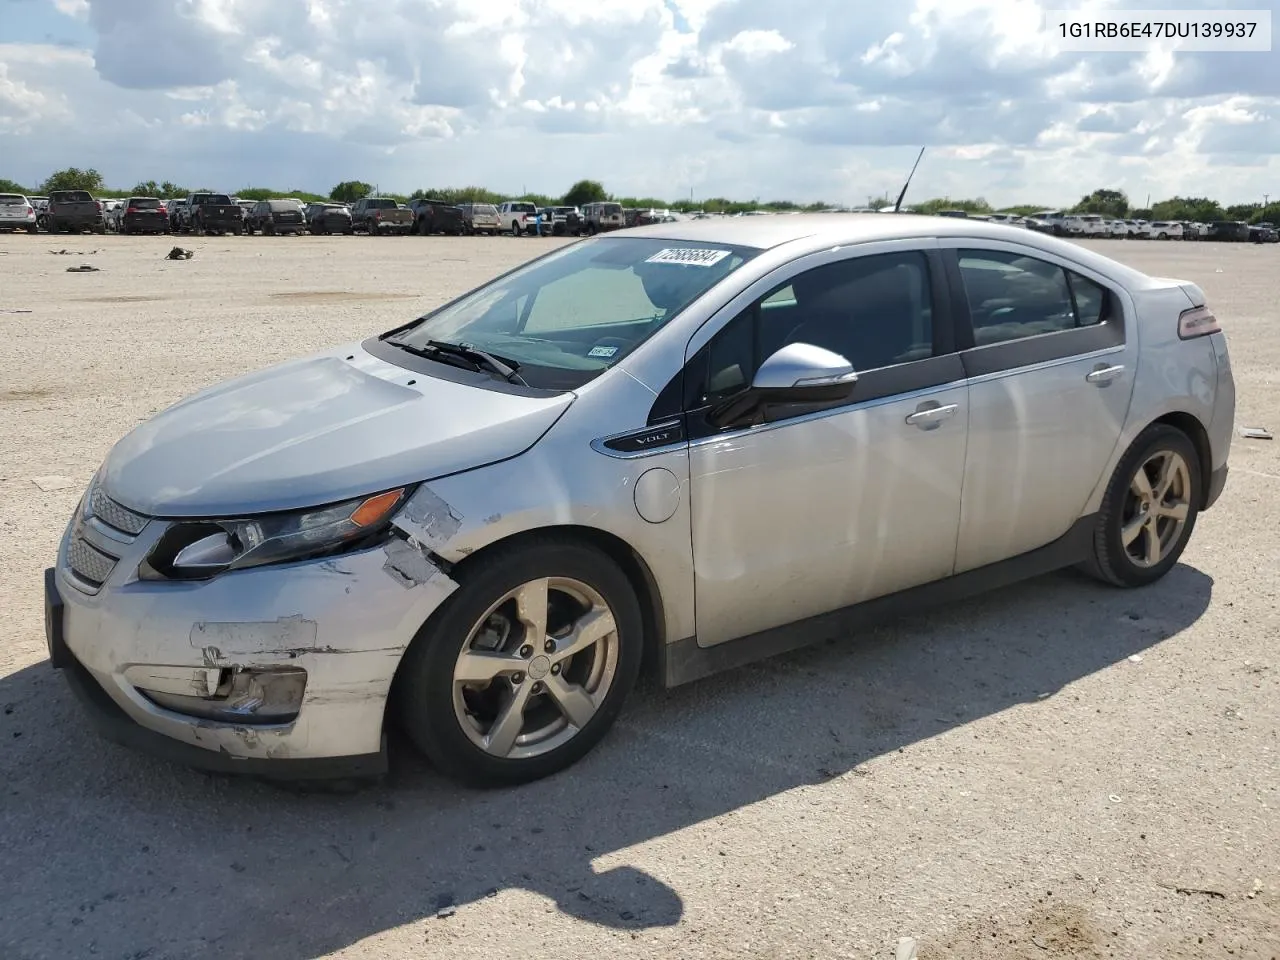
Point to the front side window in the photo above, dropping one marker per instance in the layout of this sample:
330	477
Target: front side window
568	316
875	311
1012	296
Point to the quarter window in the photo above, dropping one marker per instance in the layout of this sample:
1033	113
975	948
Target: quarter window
875	311
1012	296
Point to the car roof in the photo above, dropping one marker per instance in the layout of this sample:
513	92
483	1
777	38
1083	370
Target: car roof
810	233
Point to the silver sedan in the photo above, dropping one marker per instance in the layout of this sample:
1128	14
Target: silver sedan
679	447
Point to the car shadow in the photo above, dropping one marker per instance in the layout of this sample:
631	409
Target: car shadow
109	850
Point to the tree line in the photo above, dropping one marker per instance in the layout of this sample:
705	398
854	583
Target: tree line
1109	203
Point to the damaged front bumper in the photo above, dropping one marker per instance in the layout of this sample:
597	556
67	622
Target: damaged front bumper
281	671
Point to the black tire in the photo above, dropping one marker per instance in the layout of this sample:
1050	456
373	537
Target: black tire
1111	562
32	228
424	683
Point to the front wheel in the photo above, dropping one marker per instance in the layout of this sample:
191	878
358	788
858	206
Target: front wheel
526	667
1149	509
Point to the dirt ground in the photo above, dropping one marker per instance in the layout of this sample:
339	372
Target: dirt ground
1054	770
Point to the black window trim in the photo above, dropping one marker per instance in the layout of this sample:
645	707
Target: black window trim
873	387
1012	355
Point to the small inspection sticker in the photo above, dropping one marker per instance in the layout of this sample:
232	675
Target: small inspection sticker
602	351
689	256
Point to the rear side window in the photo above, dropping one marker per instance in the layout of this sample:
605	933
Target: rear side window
1012	296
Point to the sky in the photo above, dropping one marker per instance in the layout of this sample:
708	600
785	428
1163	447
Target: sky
807	100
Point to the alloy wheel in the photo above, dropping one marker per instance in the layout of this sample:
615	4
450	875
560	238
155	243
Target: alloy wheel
1156	508
535	668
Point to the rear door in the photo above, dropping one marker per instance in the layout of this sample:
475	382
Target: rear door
1050	351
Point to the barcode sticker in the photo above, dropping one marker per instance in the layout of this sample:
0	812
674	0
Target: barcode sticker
689	256
602	351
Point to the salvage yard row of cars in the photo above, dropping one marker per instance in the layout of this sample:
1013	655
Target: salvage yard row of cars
1096	226
75	211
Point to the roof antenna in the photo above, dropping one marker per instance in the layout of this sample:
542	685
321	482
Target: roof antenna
898	206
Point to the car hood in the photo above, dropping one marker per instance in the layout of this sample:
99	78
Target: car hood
317	430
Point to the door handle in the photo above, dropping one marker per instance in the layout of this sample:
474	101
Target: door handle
927	417
1104	375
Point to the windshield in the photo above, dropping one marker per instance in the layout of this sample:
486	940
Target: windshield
284	206
74	196
567	317
381	204
485	209
144	203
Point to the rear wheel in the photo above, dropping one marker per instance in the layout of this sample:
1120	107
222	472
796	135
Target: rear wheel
1149	509
526	666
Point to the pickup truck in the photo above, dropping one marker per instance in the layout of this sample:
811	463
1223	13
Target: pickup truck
214	213
381	215
73	211
436	216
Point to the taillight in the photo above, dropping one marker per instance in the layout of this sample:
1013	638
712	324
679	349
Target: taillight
30	210
99	203
131	210
1197	322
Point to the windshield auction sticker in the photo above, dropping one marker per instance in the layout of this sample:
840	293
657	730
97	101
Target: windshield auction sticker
689	256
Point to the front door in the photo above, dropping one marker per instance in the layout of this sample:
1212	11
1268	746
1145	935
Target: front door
818	508
1051	367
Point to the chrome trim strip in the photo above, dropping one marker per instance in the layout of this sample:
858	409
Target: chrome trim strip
832	412
1044	365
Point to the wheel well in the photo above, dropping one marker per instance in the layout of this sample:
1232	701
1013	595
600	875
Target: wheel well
621	553
1195	431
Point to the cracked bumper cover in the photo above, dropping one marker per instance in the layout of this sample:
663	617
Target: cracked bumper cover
345	620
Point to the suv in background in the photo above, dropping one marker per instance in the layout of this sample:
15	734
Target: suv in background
142	215
1165	230
603	215
329	218
276	216
480	218
517	217
17	213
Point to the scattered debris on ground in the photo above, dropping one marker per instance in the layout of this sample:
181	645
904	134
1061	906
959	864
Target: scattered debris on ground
64	252
83	268
177	253
1255	433
14	311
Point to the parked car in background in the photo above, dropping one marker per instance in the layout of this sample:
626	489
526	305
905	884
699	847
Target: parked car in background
565	221
1165	230
211	213
324	219
74	211
1048	221
517	217
603	216
381	216
1228	231
273	217
1263	233
17	213
480	218
436	216
142	215
691	445
1093	225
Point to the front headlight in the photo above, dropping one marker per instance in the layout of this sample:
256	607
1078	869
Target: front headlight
200	549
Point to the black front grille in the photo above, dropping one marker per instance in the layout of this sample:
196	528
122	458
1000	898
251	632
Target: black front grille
114	515
89	563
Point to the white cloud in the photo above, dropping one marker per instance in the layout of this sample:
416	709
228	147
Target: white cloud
722	97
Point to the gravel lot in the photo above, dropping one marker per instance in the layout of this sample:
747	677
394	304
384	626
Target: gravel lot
1055	770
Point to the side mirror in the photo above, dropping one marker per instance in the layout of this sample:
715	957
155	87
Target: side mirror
796	373
804	373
